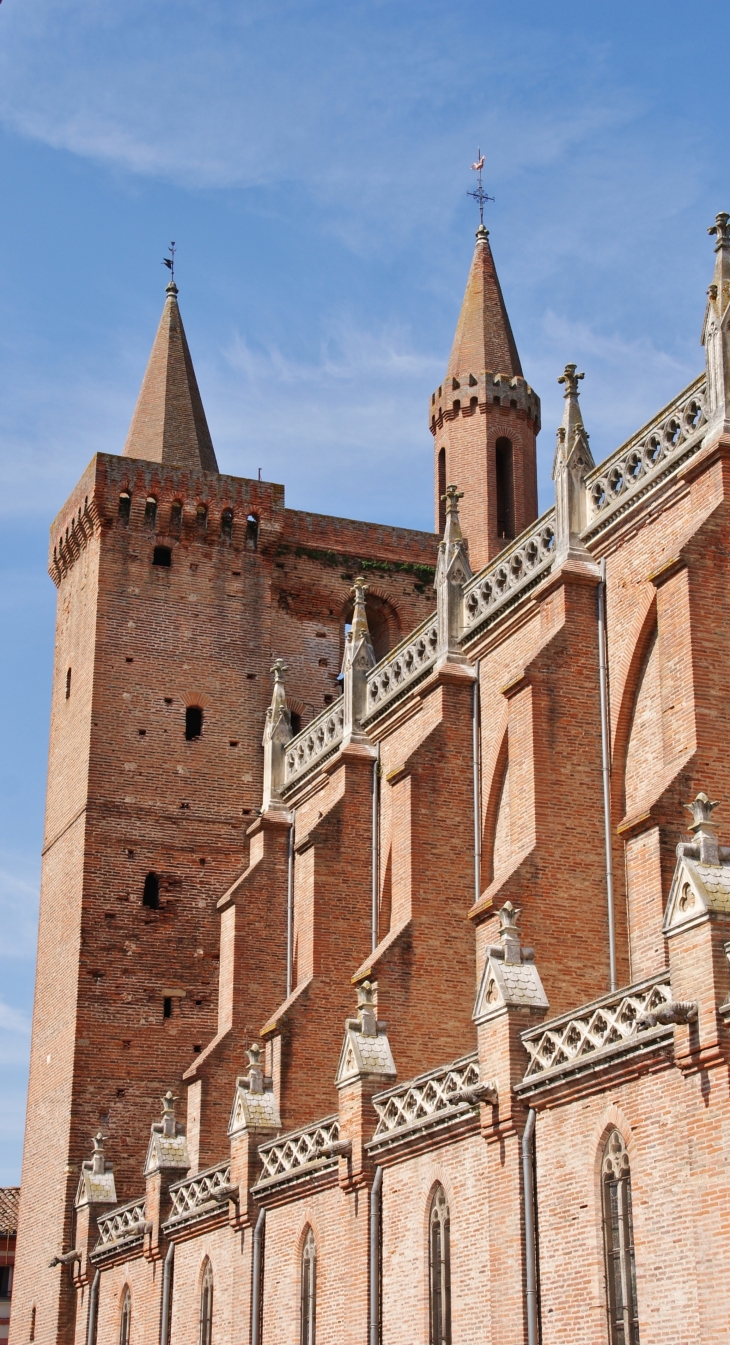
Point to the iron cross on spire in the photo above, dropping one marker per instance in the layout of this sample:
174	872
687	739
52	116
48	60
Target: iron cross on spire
169	262
479	195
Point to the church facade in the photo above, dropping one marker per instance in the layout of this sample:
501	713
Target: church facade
383	987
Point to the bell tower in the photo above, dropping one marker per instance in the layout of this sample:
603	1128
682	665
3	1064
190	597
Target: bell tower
485	419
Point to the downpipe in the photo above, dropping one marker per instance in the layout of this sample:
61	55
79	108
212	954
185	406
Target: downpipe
476	772
257	1285
290	907
606	772
528	1189
376	1206
166	1293
375	857
93	1309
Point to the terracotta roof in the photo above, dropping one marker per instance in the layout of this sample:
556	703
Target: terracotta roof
169	423
9	1202
483	337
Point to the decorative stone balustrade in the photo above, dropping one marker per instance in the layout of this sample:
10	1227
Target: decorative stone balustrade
402	667
650	455
527	559
125	1224
299	1153
316	742
425	1102
607	1027
199	1195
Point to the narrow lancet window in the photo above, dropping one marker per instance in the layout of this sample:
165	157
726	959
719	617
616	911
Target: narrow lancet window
125	1318
176	516
252	532
439	1257
150	511
227	523
151	892
68	685
193	722
505	488
201	517
309	1290
441	474
125	504
618	1240
206	1305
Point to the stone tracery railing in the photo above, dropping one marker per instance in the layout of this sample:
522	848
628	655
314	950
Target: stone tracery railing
306	1149
606	1025
193	1195
646	458
314	743
122	1224
427	1100
403	666
528	558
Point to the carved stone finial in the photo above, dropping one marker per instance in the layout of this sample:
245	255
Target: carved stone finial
98	1161
720	230
278	668
452	572
277	734
570	379
168	1114
366	1010
359	659
716	334
255	1071
704	829
359	624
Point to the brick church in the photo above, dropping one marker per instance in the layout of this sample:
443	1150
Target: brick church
383	988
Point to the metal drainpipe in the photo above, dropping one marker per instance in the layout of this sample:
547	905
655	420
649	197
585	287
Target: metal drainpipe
166	1287
375	1212
376	848
476	758
93	1307
290	906
530	1258
256	1288
606	770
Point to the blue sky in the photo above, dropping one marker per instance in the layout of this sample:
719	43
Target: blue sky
311	160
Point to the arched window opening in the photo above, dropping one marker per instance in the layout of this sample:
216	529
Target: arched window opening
439	1265
296	722
125	504
151	892
201	517
505	488
125	1318
252	532
68	685
618	1240
309	1290
176	516
206	1305
441	482
193	722
150	511
162	555
227	523
31	1334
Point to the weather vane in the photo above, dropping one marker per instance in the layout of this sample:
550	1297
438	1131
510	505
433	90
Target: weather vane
169	262
479	195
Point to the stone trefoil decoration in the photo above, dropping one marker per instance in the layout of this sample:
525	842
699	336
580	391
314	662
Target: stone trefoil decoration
366	1049
96	1182
573	461
716	332
510	978
701	882
359	660
168	1146
453	571
277	736
254	1103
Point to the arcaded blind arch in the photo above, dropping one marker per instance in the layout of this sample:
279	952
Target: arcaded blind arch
125	1317
206	1305
439	1268
644	751
618	1241
309	1290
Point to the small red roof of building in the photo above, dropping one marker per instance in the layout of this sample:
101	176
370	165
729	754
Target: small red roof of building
9	1204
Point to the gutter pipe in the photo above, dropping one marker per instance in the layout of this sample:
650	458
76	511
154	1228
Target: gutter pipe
290	907
166	1295
476	769
606	771
257	1286
375	849
530	1241
375	1214
93	1308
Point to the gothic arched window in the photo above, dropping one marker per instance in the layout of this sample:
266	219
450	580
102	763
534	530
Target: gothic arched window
125	1318
618	1239
505	488
439	1269
309	1290
206	1305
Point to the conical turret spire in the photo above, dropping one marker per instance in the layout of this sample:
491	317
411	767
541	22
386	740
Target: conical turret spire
483	337
169	423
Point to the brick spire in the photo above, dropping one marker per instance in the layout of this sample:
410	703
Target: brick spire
169	423
483	337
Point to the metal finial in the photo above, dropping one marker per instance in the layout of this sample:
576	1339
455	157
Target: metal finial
479	195
169	262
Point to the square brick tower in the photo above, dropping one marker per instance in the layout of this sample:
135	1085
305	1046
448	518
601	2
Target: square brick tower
177	586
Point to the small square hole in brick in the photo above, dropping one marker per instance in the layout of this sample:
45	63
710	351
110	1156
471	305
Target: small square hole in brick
197	1048
142	733
129	660
233	742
